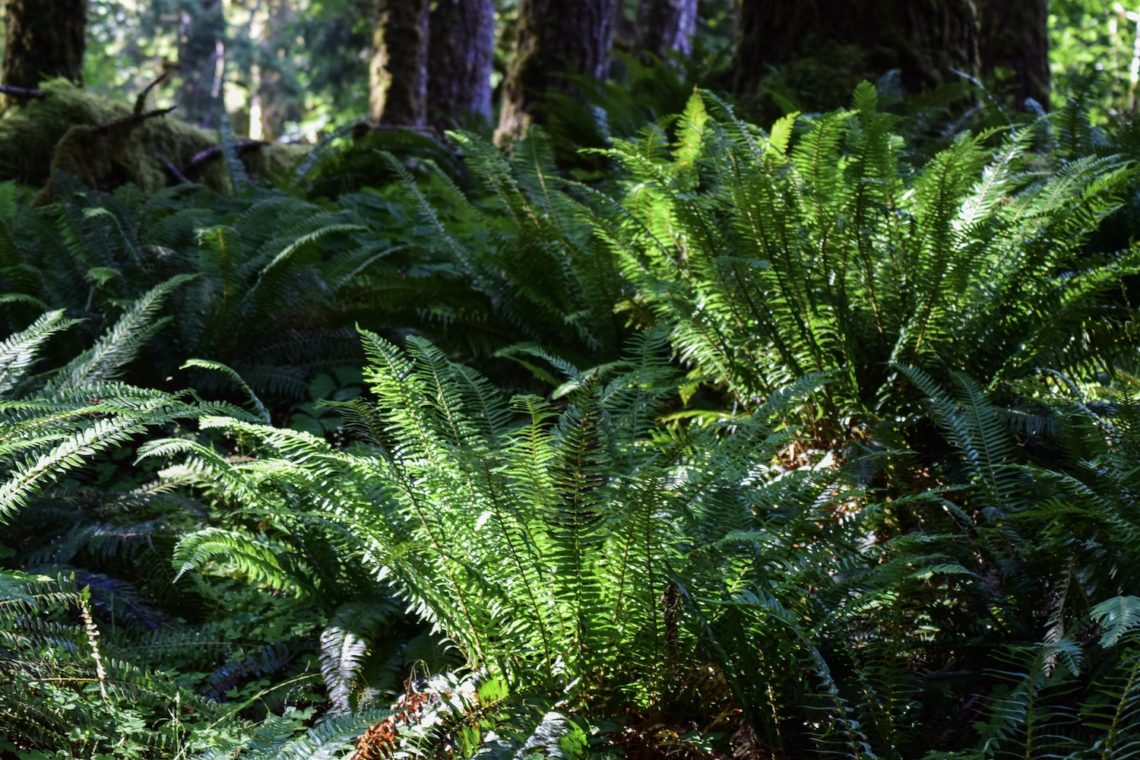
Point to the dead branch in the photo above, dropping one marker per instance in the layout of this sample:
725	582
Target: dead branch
130	122
209	154
21	92
140	101
173	171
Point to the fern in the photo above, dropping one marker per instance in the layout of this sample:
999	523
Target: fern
817	249
547	544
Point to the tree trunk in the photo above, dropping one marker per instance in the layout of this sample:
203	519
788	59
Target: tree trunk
927	40
462	52
1015	37
44	39
398	71
273	96
555	38
201	61
667	27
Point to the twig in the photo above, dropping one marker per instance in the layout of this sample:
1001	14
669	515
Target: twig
140	101
21	92
130	121
173	171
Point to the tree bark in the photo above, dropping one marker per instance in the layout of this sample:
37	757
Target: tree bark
398	71
201	61
927	40
1015	37
555	38
44	39
273	98
461	55
667	27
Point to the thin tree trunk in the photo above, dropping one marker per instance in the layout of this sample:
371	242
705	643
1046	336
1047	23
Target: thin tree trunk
461	55
201	61
555	38
272	102
1015	37
398	71
927	40
667	27
44	39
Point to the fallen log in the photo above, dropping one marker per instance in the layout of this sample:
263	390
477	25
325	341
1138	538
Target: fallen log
105	144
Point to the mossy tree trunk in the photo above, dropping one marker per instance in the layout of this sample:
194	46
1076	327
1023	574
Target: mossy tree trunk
554	39
667	27
44	39
398	70
1015	46
201	61
461	55
927	40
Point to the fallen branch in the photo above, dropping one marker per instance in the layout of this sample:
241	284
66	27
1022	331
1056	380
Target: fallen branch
21	92
216	151
130	121
173	172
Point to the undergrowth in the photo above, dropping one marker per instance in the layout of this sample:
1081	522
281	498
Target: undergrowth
813	441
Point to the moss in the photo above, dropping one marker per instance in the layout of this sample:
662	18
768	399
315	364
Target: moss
30	131
58	133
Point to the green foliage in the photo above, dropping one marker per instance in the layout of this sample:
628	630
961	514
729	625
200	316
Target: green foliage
550	546
267	278
817	247
279	282
1058	533
64	685
836	452
1091	39
524	250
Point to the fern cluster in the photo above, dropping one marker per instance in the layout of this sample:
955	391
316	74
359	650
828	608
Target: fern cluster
787	443
65	685
822	246
540	541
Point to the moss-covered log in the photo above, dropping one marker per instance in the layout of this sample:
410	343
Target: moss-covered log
106	144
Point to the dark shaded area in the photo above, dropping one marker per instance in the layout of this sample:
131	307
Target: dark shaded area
44	39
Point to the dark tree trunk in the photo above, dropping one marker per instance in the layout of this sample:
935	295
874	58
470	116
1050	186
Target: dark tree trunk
927	40
667	27
555	38
201	61
1015	37
398	72
44	39
461	55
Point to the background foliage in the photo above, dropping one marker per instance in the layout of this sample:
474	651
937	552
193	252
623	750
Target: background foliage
662	434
